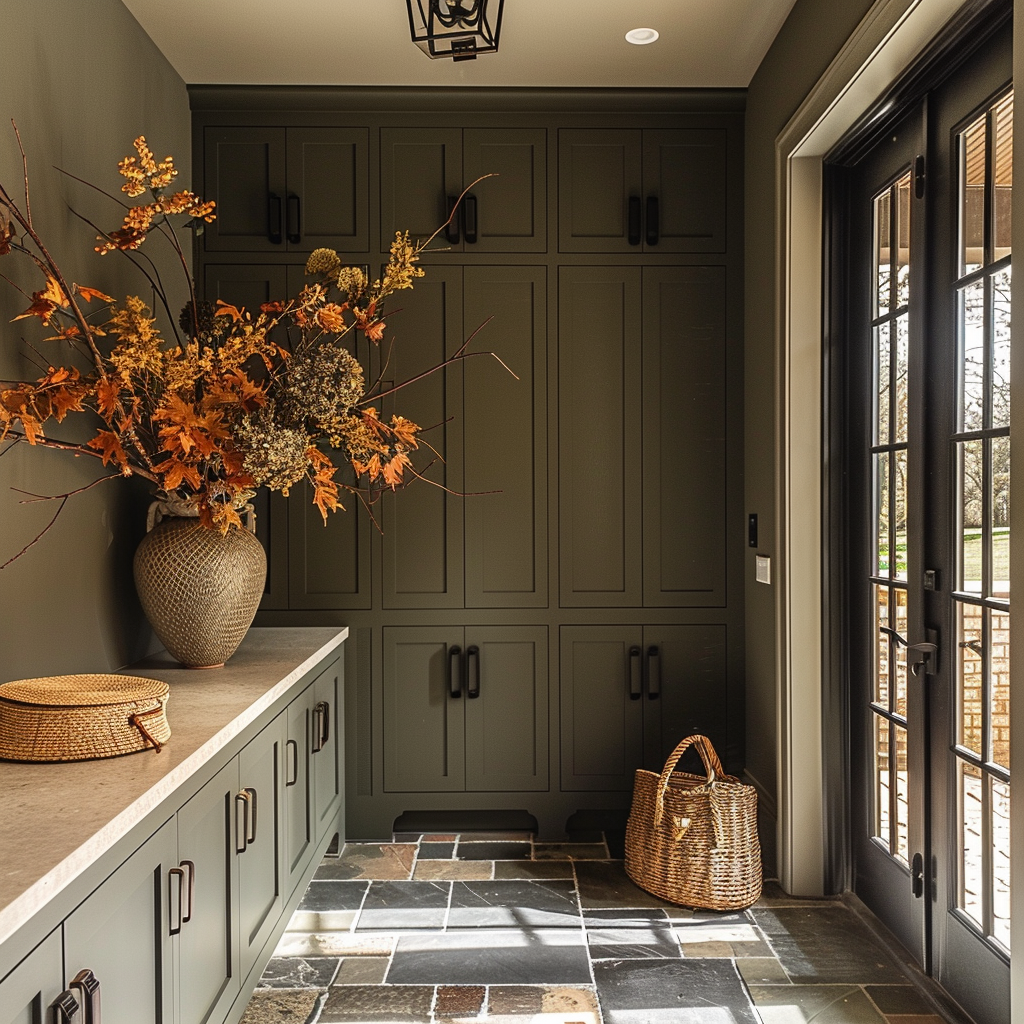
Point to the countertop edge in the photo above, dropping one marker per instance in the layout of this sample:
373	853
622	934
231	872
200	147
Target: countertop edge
33	899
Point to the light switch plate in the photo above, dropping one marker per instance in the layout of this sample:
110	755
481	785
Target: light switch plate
762	569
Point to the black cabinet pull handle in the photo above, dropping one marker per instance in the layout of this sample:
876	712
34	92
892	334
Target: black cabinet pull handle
250	836
652	220
635	675
473	671
653	672
293	746
179	875
190	891
469	216
65	1008
274	213
451	229
634	220
87	988
242	831
321	729
917	876
294	220
454	671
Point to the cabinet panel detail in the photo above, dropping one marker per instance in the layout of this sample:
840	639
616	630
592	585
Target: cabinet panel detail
28	991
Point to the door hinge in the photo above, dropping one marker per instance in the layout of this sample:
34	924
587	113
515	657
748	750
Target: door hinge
919	176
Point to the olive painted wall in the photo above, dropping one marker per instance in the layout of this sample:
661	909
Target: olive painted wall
812	35
81	80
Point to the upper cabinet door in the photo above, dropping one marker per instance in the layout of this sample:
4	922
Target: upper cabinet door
511	207
650	191
424	170
280	190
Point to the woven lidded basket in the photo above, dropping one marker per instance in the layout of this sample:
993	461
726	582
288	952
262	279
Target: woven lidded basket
692	839
81	717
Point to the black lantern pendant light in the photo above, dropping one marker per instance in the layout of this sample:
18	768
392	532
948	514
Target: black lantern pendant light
459	29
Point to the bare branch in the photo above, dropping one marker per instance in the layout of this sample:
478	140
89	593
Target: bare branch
38	537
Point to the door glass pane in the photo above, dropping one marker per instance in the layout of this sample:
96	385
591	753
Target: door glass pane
902	354
881	687
1001	348
883	272
971	705
972	196
902	849
882	514
1000	512
971	312
972	870
882	383
1002	192
882	779
1000	699
903	241
900	514
1001	862
900	625
972	482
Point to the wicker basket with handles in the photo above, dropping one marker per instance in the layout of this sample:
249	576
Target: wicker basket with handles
81	717
692	839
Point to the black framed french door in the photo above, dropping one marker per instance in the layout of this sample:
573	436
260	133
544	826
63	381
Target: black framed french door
920	356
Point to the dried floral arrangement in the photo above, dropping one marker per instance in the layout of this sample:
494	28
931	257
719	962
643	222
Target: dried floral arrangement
232	399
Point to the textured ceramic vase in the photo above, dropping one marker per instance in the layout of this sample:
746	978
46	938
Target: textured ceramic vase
199	589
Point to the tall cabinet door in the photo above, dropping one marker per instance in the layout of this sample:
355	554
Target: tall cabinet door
121	934
684	436
327	745
208	954
423	528
259	862
27	992
602	706
600	554
299	826
424	737
507	719
505	435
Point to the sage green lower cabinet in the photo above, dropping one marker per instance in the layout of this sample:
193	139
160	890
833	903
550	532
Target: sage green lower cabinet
299	825
120	933
465	709
28	991
328	730
629	694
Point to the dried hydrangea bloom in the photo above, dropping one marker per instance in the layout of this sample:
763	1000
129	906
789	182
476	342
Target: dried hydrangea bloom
274	456
322	261
321	386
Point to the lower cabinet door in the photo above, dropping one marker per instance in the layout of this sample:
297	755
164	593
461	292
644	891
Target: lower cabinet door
326	744
210	826
298	789
259	862
28	991
121	934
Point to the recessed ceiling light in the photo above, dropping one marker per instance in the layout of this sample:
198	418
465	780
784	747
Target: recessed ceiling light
641	36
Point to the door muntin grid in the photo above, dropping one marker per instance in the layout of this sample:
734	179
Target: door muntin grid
981	456
890	453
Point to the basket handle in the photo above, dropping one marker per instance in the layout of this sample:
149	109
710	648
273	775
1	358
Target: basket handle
712	765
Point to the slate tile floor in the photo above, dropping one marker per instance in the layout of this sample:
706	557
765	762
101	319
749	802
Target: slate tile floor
497	929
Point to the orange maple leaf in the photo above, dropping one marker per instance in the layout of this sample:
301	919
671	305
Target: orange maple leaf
174	472
92	293
394	468
107	442
107	393
46	302
225	309
405	430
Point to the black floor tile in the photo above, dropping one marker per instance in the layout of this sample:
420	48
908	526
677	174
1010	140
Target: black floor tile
672	992
328	895
540	956
826	944
899	999
395	905
436	851
532	869
300	972
604	883
651	941
514	904
493	851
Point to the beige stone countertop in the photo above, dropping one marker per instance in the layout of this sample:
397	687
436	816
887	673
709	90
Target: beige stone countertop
57	819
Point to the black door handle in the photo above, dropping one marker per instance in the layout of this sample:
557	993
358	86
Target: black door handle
451	228
294	220
87	990
244	801
634	220
917	876
635	674
190	890
293	746
454	671
274	211
928	650
65	1008
653	672
469	219
179	875
652	220
473	671
250	837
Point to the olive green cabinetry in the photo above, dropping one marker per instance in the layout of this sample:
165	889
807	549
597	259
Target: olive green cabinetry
586	503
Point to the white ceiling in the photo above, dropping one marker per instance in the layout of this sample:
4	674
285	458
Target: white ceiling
568	43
